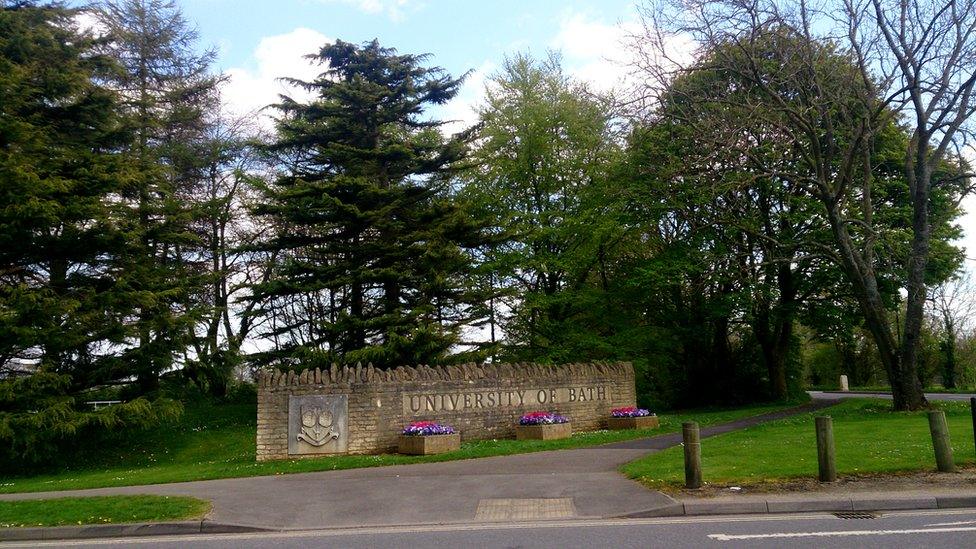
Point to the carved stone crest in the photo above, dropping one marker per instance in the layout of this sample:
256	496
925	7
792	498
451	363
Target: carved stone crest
317	424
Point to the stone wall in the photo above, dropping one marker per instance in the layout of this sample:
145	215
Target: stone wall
480	401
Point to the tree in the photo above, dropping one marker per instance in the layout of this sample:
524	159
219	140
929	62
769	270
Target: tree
166	90
62	307
59	131
833	113
951	306
545	148
227	231
373	252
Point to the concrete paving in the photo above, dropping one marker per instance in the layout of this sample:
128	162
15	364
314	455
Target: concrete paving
432	492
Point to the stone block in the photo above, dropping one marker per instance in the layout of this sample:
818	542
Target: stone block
549	431
428	445
645	422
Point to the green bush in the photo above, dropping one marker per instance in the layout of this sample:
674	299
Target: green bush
42	424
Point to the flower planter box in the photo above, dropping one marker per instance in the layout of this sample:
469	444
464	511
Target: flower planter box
640	422
415	445
546	431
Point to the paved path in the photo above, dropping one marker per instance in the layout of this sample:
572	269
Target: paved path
573	483
838	395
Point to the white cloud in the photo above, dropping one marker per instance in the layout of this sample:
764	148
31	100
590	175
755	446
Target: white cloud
462	110
600	53
87	21
275	57
594	51
394	9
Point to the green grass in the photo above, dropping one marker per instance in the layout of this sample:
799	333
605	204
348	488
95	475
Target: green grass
100	510
869	439
211	442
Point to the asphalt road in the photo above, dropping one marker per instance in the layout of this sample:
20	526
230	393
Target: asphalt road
836	395
943	529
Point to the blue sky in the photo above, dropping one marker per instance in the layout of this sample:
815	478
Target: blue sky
260	41
461	34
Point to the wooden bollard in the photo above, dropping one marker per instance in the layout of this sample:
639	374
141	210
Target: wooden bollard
825	449
972	410
940	441
692	442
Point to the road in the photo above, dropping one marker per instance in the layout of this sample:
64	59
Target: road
943	529
836	395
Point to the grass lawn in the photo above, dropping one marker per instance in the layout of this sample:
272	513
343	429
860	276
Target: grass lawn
869	438
211	442
100	510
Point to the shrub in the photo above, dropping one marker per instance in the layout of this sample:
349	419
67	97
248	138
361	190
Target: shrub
40	420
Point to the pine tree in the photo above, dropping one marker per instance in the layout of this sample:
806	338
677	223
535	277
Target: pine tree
58	169
374	252
62	308
166	89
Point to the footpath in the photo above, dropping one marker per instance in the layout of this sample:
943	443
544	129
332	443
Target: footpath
563	484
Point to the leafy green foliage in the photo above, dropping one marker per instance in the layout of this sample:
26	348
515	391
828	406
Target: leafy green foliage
165	94
40	421
542	177
59	300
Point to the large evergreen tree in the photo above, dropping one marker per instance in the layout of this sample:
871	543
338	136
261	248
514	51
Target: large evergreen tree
58	245
373	250
166	89
62	307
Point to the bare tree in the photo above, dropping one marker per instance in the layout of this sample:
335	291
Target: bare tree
224	195
906	63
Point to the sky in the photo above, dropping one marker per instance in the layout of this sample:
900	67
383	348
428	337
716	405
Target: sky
259	41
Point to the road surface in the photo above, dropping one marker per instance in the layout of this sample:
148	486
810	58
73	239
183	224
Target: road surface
942	529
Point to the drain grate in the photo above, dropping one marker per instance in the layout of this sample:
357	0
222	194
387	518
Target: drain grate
856	515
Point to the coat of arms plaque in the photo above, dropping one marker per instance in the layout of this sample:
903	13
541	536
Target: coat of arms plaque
317	424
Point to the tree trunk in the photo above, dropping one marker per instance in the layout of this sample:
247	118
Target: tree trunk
949	364
898	360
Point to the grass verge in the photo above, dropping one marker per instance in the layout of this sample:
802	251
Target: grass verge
100	510
211	442
869	439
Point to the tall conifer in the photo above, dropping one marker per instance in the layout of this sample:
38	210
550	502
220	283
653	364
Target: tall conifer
374	251
166	88
59	131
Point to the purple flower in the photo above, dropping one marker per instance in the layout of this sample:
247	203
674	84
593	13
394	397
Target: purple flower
630	411
542	418
427	428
